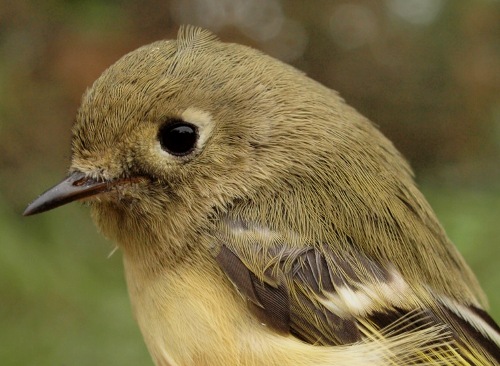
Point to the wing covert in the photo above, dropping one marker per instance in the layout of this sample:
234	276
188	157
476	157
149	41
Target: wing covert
330	297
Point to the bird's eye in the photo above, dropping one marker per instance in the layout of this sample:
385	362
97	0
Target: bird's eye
178	137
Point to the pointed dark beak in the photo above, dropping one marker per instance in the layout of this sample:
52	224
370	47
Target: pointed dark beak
74	187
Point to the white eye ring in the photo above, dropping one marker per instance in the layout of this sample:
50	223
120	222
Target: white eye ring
202	120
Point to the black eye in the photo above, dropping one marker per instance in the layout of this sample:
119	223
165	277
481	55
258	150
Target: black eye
178	137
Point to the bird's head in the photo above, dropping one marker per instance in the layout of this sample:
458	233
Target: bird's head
176	130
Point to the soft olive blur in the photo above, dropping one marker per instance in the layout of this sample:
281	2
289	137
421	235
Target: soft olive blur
426	71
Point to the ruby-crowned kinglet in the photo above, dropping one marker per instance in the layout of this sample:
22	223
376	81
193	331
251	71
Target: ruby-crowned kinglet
262	220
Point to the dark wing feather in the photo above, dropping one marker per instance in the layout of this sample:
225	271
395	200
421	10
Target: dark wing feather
324	297
270	303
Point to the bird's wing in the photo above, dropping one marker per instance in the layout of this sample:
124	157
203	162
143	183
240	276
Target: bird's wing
324	297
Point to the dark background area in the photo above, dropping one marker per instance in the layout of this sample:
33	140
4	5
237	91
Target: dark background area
426	71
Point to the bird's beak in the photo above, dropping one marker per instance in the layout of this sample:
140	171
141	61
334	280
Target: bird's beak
76	186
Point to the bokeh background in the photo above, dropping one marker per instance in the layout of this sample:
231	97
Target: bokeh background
426	71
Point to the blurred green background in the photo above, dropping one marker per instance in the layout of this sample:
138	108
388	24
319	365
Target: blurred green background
426	71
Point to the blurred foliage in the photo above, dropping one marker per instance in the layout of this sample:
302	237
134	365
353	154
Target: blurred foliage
426	71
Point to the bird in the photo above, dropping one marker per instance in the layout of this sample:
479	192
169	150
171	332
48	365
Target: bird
264	221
